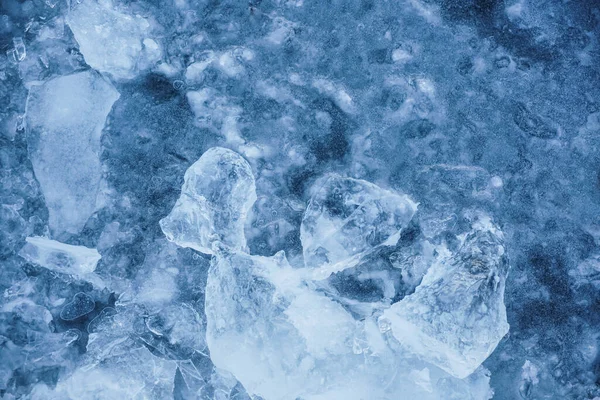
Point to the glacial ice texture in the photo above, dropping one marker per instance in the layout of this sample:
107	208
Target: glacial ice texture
299	199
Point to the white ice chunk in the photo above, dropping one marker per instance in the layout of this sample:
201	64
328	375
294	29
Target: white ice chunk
60	257
217	194
111	39
65	117
457	317
346	217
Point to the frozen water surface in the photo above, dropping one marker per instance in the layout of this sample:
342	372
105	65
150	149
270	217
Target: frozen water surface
298	199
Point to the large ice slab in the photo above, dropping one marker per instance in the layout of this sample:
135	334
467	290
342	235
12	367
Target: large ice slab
346	217
457	317
78	261
65	117
111	39
216	196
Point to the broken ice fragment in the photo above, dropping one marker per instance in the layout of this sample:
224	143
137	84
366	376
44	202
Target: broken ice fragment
217	193
457	317
60	257
65	117
110	39
20	51
81	305
78	261
346	217
127	372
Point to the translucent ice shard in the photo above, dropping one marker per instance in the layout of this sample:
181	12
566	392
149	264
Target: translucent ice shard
216	196
268	331
346	217
457	317
78	261
20	50
110	39
65	117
